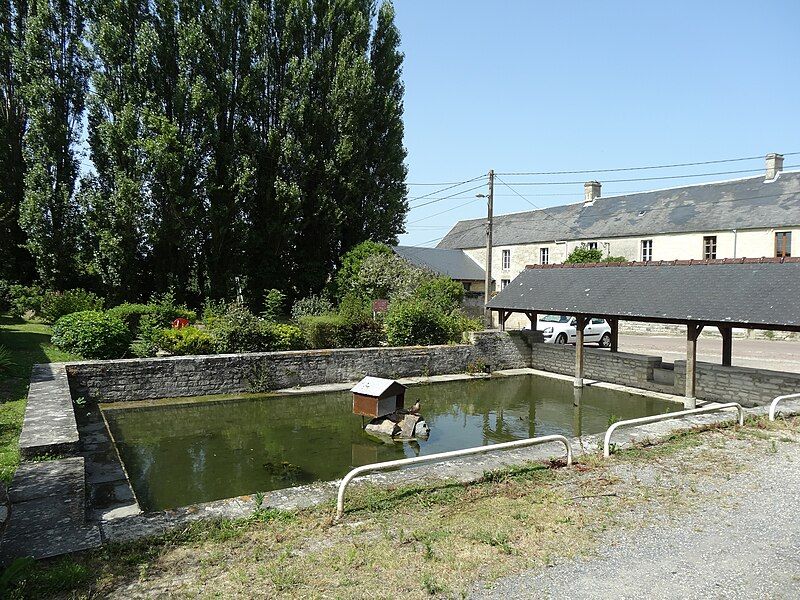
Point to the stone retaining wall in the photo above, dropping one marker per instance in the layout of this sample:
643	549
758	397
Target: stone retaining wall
744	385
140	379
617	367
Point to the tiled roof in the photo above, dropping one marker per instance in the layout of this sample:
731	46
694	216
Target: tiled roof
741	292
740	204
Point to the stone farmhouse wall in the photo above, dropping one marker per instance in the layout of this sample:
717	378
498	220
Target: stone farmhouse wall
747	386
634	370
140	379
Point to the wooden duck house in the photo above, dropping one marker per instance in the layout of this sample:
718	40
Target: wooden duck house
377	397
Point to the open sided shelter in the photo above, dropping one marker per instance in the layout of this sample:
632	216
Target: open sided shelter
747	293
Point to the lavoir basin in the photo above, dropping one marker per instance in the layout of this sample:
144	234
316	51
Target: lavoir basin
180	452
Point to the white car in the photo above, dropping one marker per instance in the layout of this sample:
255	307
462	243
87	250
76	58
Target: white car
560	329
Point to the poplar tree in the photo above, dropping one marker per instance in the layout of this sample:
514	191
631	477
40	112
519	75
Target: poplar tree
15	260
53	89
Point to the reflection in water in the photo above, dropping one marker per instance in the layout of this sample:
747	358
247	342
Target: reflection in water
178	454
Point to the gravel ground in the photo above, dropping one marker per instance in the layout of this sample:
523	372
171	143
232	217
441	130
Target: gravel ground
731	532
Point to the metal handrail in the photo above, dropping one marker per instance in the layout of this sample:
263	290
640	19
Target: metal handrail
665	416
774	404
393	464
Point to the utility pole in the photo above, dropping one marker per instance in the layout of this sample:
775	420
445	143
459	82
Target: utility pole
488	283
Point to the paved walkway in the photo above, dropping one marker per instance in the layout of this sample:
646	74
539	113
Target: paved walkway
745	543
776	355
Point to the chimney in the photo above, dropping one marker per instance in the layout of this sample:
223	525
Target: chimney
774	165
591	192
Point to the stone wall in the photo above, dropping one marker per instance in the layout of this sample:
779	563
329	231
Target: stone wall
616	367
139	379
747	386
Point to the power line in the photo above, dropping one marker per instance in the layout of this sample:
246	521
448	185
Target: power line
434	201
569	227
441	212
645	168
647	178
449	187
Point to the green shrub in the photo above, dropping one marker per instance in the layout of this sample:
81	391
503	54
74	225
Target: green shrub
320	331
414	322
92	334
25	298
283	336
274	302
186	340
441	292
213	309
160	312
614	259
164	310
131	314
57	304
459	323
237	330
6	361
360	334
311	306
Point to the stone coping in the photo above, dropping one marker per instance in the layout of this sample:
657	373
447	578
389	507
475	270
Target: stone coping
49	426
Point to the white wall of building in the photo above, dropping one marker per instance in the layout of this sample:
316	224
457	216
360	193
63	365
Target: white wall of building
751	243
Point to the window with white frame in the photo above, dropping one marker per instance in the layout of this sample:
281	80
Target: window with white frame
504	283
709	247
506	260
647	250
591	245
544	256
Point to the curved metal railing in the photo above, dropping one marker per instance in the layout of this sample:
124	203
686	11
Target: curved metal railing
665	416
394	464
774	405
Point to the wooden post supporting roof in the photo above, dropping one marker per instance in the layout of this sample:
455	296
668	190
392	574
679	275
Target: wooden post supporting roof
503	317
579	327
727	344
614	323
692	333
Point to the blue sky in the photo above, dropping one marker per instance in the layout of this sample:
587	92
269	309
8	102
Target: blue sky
540	86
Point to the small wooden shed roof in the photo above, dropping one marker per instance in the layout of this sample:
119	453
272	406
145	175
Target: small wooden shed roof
377	387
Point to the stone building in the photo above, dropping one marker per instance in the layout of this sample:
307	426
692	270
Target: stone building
749	217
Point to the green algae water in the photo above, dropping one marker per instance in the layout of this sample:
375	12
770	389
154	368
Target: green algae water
180	453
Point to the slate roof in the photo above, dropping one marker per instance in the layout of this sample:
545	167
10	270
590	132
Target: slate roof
741	204
453	263
740	292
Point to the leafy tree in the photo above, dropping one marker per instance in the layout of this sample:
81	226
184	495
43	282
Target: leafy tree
53	89
15	260
582	254
352	262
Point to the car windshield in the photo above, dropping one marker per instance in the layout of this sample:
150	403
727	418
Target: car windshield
554	319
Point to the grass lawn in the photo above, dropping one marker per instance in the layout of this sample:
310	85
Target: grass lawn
29	344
